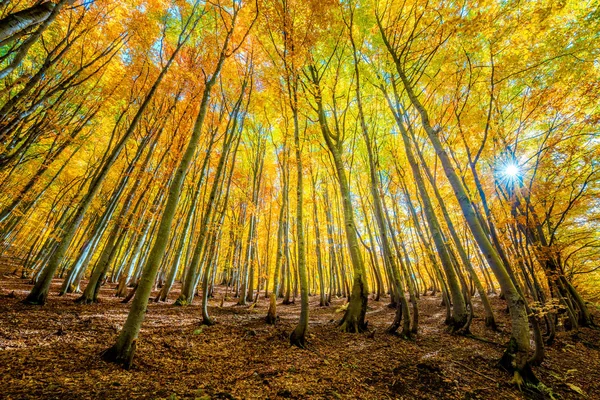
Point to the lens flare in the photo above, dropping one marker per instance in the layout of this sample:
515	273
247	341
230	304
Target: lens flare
511	171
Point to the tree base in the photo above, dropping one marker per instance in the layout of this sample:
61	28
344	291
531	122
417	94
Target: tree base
397	319
35	299
353	326
402	335
490	322
458	327
112	354
354	317
85	300
298	339
463	328
521	371
181	302
463	331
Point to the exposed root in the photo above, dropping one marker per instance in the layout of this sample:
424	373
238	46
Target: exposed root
512	362
458	327
471	336
465	329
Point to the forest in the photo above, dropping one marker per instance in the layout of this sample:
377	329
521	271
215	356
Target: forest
306	199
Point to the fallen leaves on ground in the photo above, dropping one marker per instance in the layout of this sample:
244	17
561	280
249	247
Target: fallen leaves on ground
53	352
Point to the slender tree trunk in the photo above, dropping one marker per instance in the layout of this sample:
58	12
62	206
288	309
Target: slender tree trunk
124	348
271	317
489	313
16	22
187	291
298	336
320	270
354	318
219	217
41	16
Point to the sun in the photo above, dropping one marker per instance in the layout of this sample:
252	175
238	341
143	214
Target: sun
511	171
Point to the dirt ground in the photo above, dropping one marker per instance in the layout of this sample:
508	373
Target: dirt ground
52	352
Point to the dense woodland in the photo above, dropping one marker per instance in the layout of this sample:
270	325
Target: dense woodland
329	157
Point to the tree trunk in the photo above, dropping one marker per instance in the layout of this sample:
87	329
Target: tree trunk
354	318
124	348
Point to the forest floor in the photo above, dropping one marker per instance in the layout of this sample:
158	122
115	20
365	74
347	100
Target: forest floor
53	352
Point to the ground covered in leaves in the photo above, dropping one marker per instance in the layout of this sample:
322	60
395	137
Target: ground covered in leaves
53	352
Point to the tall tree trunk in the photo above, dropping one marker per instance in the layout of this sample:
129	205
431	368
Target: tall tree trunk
189	286
320	270
354	318
216	232
124	348
271	317
27	18
298	336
